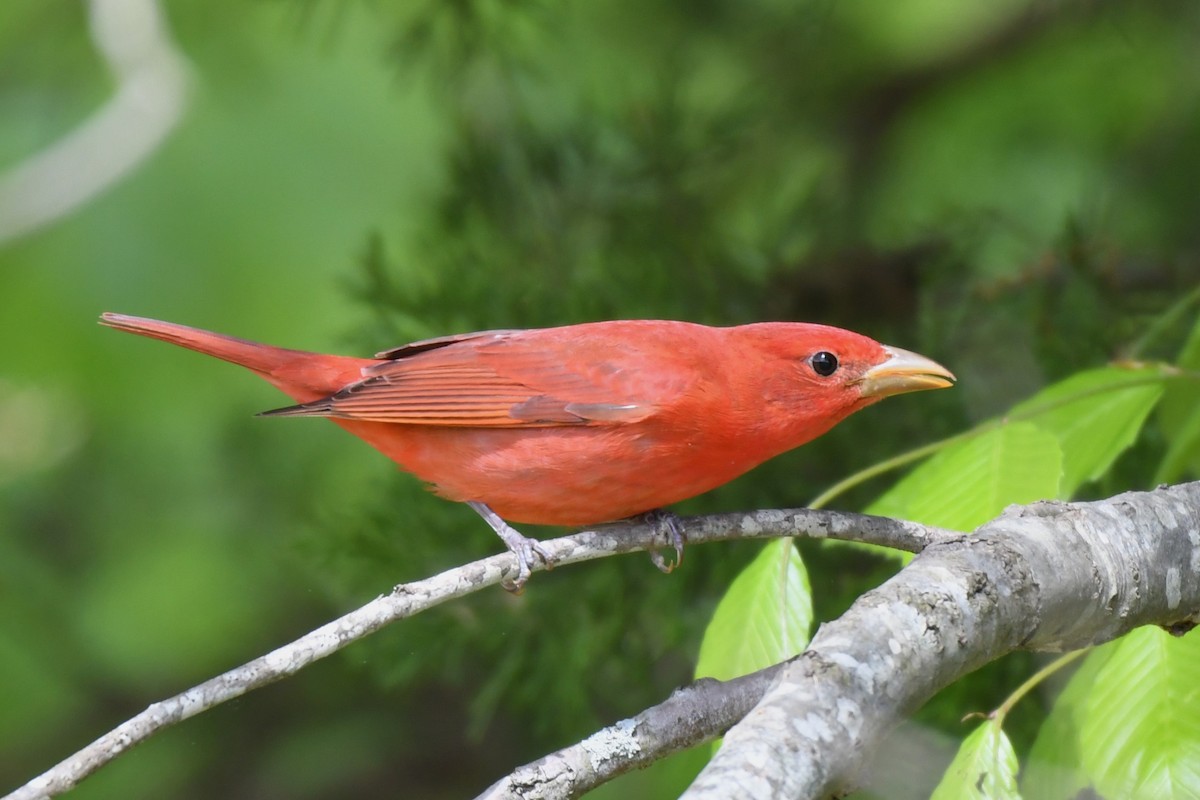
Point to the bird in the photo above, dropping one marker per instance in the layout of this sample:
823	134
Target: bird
580	424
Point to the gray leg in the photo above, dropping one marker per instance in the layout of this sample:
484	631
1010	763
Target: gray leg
671	527
523	547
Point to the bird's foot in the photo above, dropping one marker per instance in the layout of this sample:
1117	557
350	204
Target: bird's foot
525	548
670	526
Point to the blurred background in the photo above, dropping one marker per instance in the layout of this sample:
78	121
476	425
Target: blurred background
1009	187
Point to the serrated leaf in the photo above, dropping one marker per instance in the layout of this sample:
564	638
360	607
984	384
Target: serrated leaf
1095	415
1126	723
764	617
967	484
1140	736
985	767
1053	771
1179	417
1182	459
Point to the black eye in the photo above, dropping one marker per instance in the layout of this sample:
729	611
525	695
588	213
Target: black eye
824	363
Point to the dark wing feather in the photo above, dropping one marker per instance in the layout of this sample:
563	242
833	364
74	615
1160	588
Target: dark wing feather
424	345
494	379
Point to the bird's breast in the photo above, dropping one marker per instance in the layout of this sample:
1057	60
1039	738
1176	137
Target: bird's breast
561	475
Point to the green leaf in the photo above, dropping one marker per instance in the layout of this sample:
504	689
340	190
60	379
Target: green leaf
1182	458
1127	725
967	484
985	767
764	617
1065	435
1179	417
1096	415
1141	731
1053	771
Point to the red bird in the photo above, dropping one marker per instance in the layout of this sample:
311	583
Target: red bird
584	423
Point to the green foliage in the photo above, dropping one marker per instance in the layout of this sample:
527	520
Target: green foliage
968	484
1095	415
1179	415
764	617
1054	759
1047	447
1127	724
984	768
1007	187
1141	735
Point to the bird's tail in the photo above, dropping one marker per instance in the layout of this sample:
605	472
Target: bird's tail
302	375
261	358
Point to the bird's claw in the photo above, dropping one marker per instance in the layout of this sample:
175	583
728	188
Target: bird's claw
671	527
525	548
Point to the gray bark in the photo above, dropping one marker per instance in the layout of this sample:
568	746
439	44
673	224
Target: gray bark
409	599
1049	576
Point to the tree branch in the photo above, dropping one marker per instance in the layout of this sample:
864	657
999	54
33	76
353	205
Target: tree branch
692	715
409	599
1048	576
135	41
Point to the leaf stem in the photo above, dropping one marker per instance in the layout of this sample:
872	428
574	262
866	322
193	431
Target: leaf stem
1031	683
1163	373
1164	321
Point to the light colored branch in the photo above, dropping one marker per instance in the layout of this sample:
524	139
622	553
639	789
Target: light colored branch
409	599
1030	578
692	715
1045	576
133	39
1049	576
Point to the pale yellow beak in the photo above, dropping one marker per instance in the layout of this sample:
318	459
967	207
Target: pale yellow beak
904	372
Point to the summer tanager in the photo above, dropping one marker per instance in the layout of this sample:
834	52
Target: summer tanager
584	423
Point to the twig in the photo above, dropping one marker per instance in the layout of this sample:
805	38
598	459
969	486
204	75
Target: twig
409	599
1028	579
692	715
1047	576
133	38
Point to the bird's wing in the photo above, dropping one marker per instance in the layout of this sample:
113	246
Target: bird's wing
413	348
502	379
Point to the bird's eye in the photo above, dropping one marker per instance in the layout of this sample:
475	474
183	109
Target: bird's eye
824	363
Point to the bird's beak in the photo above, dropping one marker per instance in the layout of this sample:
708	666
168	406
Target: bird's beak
904	372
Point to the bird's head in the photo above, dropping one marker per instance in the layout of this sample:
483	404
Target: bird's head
831	373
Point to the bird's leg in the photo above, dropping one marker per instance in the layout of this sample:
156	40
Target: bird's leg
523	547
671	527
